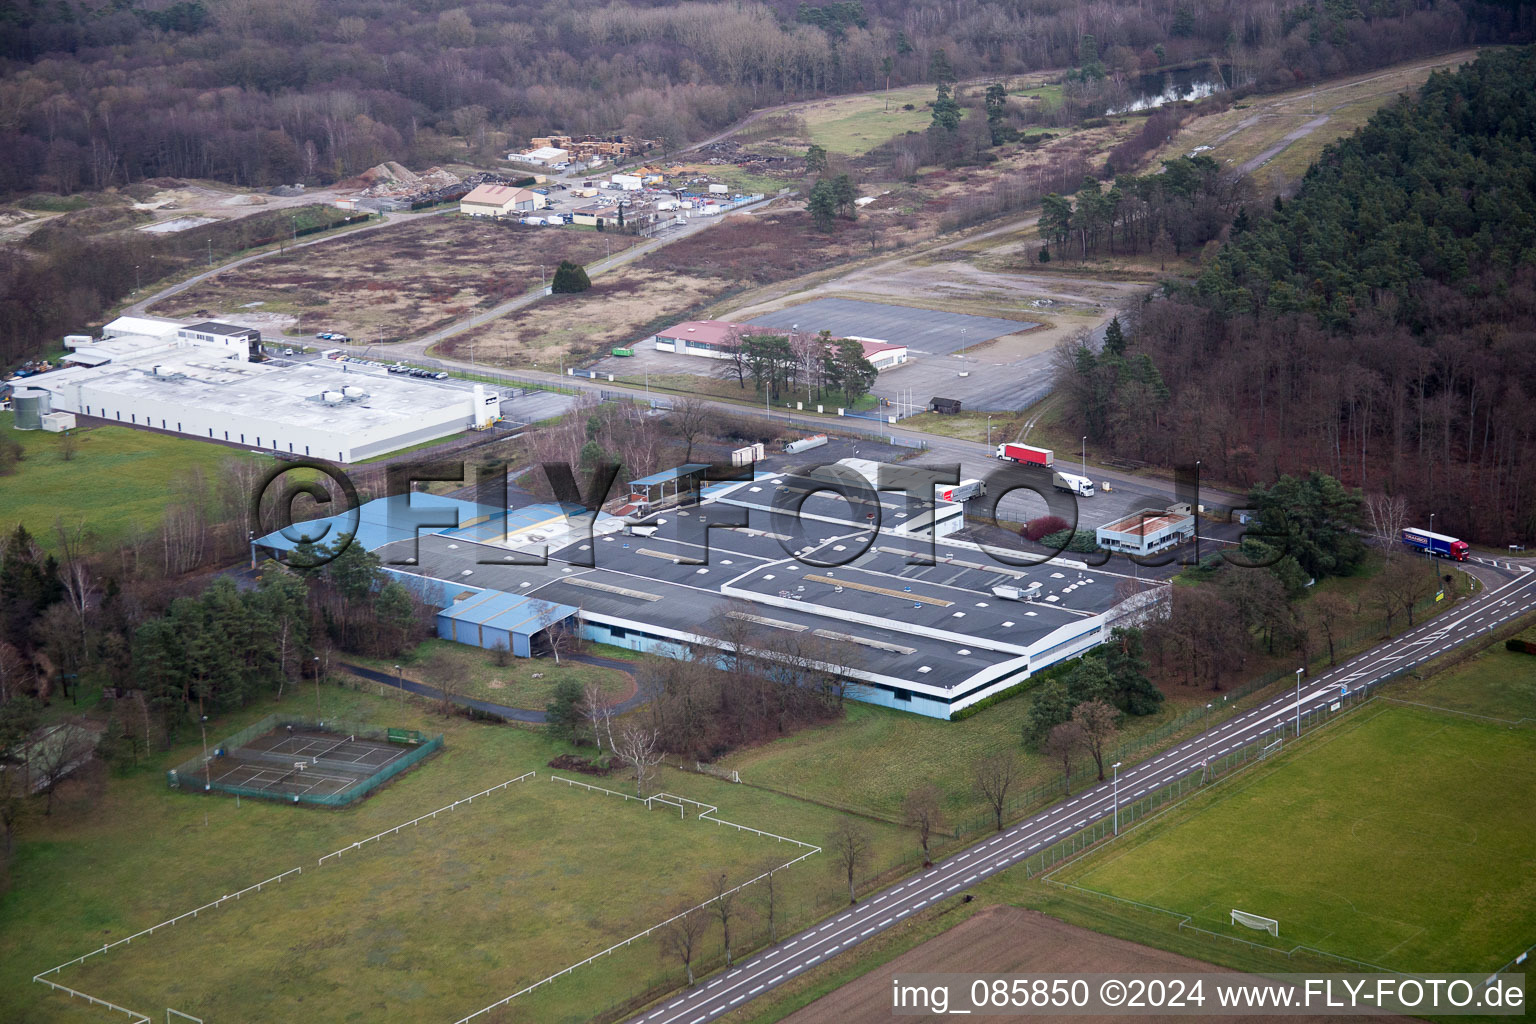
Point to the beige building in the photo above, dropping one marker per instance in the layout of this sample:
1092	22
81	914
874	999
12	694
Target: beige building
500	201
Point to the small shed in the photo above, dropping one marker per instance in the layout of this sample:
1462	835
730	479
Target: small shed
944	406
492	619
667	485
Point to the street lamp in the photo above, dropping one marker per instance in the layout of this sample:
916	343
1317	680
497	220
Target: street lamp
317	687
1117	797
207	769
399	685
989	430
1431	522
1298	700
1085	455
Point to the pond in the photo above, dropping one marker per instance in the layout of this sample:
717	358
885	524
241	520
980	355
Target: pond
1154	89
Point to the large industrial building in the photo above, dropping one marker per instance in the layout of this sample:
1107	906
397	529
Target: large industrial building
780	553
199	380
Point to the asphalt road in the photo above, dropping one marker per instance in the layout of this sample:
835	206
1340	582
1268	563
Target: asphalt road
1508	592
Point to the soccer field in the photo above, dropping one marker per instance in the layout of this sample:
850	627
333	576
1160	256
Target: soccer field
1401	838
444	917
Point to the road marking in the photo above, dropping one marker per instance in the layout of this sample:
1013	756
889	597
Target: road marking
755	991
714	983
775	981
738	999
886	921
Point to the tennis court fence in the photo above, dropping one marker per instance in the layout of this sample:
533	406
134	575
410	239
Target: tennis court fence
416	745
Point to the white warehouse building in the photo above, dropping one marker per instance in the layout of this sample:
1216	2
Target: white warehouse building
201	383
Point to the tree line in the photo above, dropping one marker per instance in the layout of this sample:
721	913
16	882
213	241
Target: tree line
260	92
1377	325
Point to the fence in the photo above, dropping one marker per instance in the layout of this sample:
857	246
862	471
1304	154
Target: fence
192	767
420	818
163	924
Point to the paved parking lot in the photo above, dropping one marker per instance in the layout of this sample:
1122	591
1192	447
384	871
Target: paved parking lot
923	331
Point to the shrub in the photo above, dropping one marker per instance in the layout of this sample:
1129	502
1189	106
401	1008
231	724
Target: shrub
1043	527
1081	542
570	278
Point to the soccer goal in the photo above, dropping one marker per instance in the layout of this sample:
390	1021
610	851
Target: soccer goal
1270	748
1254	921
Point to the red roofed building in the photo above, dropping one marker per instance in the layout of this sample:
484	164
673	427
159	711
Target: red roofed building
717	339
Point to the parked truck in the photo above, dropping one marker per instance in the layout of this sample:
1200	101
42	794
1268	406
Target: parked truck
1071	482
1026	454
1437	544
965	490
805	444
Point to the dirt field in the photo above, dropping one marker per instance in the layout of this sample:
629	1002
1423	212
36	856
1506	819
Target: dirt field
1275	138
668	285
399	281
1008	940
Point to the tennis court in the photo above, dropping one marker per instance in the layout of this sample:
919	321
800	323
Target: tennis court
304	762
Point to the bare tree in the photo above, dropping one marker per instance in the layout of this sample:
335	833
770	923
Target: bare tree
597	711
638	748
769	887
56	755
69	443
680	937
993	776
924	813
1329	612
724	905
689	418
13	668
1097	721
557	630
1387	515
1061	745
849	845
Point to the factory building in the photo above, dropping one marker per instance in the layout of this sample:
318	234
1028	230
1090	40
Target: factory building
913	619
199	380
719	339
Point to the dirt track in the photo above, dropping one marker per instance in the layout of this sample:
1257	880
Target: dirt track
1007	940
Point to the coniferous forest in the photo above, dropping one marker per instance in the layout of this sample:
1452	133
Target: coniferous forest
1377	326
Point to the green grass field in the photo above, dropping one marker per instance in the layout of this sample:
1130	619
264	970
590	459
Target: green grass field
1395	837
472	672
123	853
524	880
854	125
875	756
130	475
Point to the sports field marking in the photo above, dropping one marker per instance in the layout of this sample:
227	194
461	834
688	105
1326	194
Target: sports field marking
1349	891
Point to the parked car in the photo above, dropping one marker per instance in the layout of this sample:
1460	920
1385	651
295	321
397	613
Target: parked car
326	335
439	376
287	351
540	191
340	337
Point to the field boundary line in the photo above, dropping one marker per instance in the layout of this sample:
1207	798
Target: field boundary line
706	813
1456	711
171	921
420	818
138	1018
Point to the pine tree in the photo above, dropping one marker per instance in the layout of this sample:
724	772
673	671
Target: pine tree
1114	338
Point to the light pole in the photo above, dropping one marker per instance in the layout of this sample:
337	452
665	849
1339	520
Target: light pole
1085	455
1117	797
989	430
1298	700
317	687
399	685
207	769
1431	522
